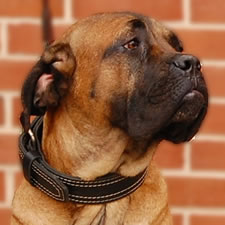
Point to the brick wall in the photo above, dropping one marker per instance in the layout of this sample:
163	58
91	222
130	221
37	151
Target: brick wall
195	171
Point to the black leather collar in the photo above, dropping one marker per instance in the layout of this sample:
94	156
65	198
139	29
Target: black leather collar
67	188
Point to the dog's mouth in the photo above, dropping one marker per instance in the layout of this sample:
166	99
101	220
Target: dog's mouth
187	118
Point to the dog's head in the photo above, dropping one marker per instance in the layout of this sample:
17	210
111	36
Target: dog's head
124	70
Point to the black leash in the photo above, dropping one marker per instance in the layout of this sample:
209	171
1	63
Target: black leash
66	188
47	29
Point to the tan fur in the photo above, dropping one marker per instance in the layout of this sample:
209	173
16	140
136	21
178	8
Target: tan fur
78	139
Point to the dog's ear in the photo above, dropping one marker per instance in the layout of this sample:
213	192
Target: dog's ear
47	82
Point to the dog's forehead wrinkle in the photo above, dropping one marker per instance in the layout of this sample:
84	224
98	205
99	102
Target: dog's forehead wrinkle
166	36
102	28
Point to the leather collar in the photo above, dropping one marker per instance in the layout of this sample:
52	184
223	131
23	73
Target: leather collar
66	188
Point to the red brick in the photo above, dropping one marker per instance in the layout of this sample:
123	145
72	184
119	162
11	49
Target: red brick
18	8
60	29
2	186
27	38
209	11
207	220
17	109
13	73
196	192
5	215
9	149
1	111
215	80
169	155
160	9
214	120
208	155
177	219
18	179
204	44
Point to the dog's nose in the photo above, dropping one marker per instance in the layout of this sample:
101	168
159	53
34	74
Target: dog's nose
187	63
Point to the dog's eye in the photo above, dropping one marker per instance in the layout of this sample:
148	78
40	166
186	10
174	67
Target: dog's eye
133	44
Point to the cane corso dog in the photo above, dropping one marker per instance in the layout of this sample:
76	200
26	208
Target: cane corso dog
105	94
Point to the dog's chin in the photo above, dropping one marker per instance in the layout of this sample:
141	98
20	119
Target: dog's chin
187	119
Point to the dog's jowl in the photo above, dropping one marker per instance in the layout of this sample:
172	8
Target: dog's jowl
105	95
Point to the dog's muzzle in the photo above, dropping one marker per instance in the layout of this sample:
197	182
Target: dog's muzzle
193	103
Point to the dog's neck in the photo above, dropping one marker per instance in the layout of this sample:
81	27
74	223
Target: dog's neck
90	152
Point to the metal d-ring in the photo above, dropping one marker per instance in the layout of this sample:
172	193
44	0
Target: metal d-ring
30	132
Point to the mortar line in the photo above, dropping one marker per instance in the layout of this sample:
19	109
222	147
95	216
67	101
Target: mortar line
9	131
210	137
200	174
173	24
212	62
186	11
211	211
186	218
9	93
187	157
3	205
217	100
33	21
68	11
10	167
195	26
4	39
19	57
8	111
9	187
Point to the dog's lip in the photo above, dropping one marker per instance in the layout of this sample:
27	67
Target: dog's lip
192	94
190	107
187	118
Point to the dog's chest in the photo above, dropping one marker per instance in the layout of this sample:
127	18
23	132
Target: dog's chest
108	214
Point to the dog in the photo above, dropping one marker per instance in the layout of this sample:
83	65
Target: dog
108	91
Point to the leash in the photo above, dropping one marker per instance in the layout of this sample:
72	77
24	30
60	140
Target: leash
47	29
66	188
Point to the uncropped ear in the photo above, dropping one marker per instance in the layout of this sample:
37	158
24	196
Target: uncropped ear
47	82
